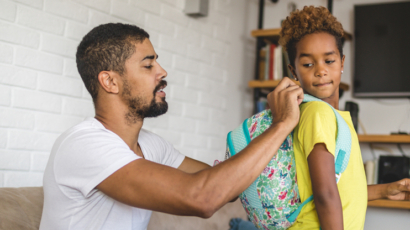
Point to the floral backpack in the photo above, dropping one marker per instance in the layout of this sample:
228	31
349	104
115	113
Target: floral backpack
272	201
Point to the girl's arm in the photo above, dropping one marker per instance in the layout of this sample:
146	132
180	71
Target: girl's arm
325	192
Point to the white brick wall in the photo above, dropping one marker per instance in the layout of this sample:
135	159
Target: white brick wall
42	95
67	9
37	19
6	53
5	95
11	75
38	60
15	118
35	100
18	35
8	10
3	138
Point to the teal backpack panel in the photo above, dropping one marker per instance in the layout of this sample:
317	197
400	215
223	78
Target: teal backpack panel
272	201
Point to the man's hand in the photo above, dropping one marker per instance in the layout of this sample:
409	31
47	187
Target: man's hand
399	190
284	103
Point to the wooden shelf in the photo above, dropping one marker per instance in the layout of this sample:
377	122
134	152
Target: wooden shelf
274	33
389	204
386	139
273	83
403	139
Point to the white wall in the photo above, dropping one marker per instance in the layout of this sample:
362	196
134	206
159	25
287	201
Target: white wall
379	116
42	95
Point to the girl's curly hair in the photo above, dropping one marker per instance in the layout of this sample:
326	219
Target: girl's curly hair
307	21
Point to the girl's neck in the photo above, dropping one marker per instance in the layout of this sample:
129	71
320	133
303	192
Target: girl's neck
333	101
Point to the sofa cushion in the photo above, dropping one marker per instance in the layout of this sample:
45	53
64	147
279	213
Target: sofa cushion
219	221
21	208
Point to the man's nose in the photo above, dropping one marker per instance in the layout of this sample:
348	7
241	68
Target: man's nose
162	72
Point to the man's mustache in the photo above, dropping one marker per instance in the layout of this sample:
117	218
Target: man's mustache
162	84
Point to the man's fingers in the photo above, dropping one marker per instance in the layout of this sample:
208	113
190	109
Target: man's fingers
293	91
284	83
296	91
300	95
290	88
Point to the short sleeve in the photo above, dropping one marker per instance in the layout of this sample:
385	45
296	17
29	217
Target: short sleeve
87	157
317	125
157	149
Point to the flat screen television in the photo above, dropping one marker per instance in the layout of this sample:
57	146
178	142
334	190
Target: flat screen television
382	50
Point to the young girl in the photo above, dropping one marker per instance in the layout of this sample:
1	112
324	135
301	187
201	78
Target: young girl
313	40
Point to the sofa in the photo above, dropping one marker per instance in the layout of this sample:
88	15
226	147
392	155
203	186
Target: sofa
21	208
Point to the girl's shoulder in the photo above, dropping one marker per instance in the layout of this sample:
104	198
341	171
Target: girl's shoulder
315	108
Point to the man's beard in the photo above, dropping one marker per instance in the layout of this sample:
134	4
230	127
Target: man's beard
138	111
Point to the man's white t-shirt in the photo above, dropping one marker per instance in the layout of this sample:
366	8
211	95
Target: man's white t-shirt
81	158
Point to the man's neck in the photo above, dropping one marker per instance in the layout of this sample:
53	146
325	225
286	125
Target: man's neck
127	131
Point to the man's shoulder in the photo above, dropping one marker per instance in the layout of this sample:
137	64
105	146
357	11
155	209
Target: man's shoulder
87	128
88	125
89	135
148	136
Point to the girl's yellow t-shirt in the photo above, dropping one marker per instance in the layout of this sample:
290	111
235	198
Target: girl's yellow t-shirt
318	125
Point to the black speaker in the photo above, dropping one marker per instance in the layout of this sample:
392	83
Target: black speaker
353	108
393	168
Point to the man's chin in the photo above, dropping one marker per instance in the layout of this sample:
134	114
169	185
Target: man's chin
159	109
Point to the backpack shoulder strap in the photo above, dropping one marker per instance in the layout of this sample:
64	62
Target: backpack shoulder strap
239	138
342	153
343	139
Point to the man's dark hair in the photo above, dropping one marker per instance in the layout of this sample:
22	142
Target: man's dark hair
106	48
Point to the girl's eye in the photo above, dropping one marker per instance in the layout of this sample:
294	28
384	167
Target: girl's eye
307	65
148	67
330	62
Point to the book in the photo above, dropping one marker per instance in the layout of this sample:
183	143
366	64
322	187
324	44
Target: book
267	58
262	64
278	69
272	48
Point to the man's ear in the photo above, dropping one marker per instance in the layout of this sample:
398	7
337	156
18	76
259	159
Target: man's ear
109	81
292	70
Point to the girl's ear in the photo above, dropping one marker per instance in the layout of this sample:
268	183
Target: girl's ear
292	70
109	81
343	62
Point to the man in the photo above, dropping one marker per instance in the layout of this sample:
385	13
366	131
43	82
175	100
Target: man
107	172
